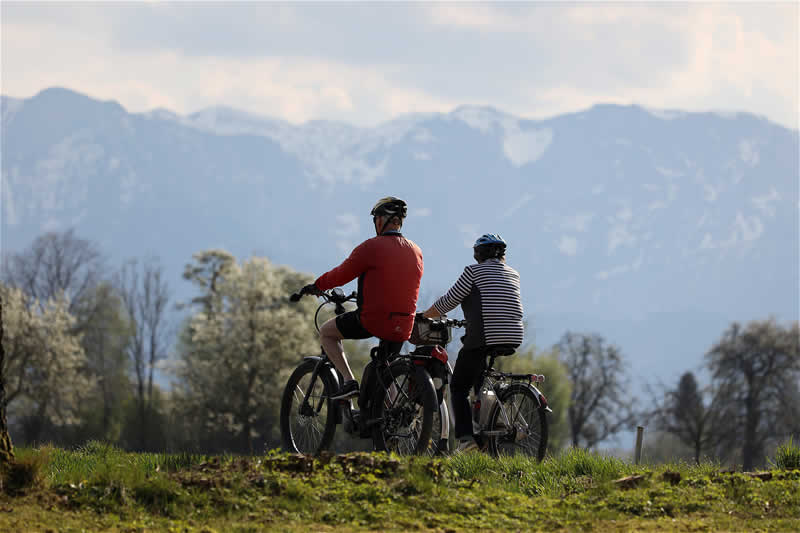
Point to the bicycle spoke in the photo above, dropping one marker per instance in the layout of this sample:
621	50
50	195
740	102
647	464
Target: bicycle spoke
308	430
521	414
400	393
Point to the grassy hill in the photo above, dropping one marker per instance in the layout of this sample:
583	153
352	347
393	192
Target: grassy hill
99	487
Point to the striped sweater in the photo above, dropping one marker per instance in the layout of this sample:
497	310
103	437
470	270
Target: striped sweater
489	294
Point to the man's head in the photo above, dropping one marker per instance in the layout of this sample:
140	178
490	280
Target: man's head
388	214
489	246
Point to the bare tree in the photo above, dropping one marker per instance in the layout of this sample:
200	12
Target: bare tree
756	368
599	404
145	297
55	263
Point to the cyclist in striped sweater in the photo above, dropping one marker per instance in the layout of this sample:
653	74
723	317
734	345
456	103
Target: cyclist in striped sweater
489	294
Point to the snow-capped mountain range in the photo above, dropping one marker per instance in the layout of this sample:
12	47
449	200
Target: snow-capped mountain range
654	228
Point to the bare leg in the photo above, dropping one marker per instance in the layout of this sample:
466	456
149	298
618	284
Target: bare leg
331	341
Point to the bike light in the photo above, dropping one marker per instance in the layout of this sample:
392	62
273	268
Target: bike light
439	353
543	399
537	378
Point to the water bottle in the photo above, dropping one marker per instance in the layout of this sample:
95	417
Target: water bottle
487	400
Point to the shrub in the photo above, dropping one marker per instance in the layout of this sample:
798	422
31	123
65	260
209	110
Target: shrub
25	472
787	456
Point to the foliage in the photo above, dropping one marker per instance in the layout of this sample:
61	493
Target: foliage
25	472
787	456
756	369
44	363
106	334
240	346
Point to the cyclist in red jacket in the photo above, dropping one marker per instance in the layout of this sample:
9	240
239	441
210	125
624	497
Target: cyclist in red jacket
389	268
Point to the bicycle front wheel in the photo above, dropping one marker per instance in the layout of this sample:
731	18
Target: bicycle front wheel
404	409
517	424
308	419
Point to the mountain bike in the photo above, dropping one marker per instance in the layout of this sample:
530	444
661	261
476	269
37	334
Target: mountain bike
509	412
431	337
397	398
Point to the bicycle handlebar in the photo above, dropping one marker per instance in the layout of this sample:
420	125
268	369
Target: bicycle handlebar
446	323
329	296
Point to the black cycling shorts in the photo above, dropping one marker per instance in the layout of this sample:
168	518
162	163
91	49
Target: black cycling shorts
349	325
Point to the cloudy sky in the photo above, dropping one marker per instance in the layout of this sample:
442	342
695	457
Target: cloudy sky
367	63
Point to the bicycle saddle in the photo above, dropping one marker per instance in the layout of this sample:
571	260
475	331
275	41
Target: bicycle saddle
386	348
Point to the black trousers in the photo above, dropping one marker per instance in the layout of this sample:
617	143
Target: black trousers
469	365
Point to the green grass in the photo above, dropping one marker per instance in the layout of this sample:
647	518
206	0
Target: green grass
787	456
99	487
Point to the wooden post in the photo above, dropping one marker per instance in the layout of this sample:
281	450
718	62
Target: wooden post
639	435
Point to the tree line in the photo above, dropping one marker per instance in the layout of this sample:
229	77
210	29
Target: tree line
82	343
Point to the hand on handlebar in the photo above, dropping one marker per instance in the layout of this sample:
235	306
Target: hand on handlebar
311	288
308	289
441	320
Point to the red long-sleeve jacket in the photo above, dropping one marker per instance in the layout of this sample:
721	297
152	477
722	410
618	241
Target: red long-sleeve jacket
389	269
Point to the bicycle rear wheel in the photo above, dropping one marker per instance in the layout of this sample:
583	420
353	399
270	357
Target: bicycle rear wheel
440	431
517	424
403	411
308	427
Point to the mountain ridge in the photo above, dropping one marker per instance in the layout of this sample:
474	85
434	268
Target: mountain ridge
614	214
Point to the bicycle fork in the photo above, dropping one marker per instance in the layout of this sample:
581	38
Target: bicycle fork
305	408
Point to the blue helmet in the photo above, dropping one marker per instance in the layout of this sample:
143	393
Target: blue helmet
489	246
490	239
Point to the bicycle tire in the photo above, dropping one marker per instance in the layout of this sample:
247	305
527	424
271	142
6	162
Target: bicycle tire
518	405
439	444
406	404
304	436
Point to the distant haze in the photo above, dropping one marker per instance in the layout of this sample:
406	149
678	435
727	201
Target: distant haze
655	229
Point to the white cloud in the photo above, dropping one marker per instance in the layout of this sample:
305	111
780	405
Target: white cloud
764	203
624	214
421	212
710	193
568	245
579	222
616	271
668	172
347	225
469	232
344	246
745	230
519	204
618	236
301	61
749	228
